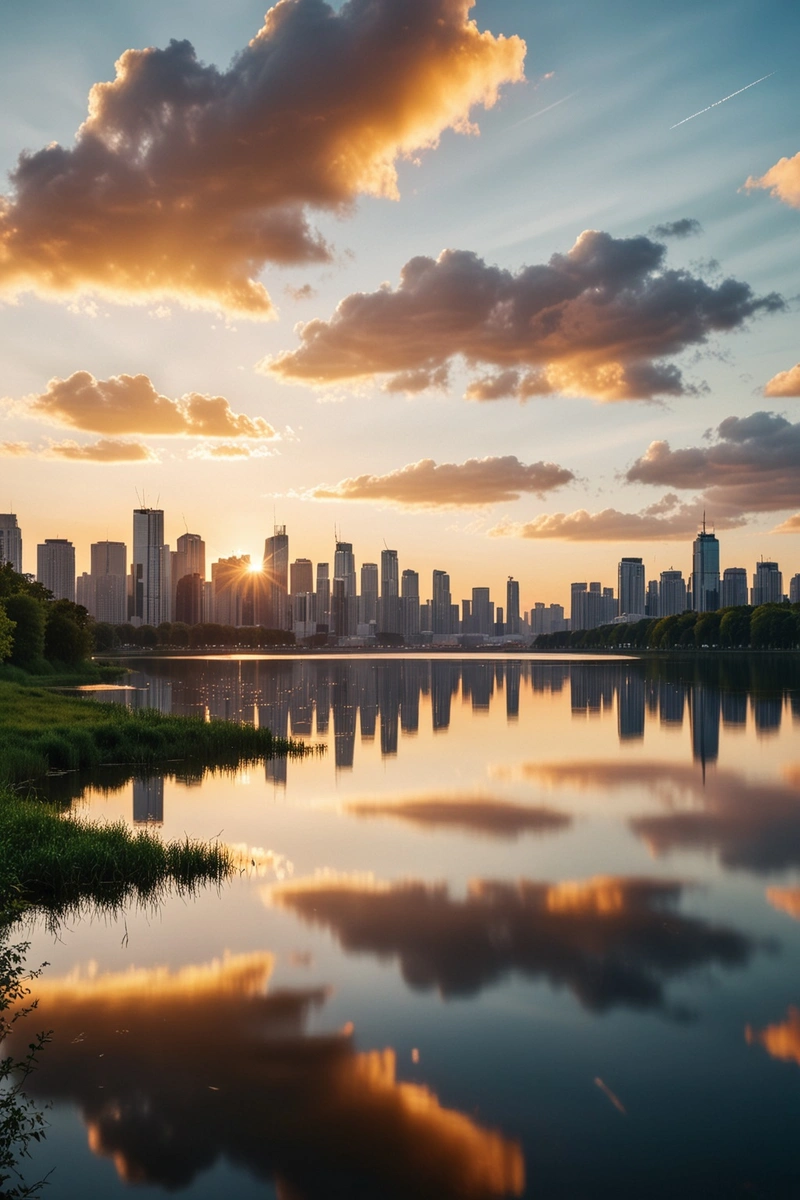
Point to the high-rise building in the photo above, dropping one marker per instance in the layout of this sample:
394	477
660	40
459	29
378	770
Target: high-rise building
630	589
323	594
84	592
107	591
482	612
672	593
591	606
189	558
10	542
150	597
189	599
512	606
441	602
234	590
301	585
767	584
276	580
368	601
55	567
301	576
705	572
344	568
390	618
734	588
409	602
794	589
167	592
652	599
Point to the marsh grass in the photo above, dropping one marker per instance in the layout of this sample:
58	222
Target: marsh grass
42	732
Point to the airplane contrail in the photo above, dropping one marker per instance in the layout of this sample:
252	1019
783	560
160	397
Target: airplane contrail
540	112
722	101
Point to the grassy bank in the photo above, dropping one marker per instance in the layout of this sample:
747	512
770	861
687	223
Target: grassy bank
46	675
42	731
56	862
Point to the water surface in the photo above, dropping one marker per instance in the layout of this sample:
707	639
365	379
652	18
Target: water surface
528	928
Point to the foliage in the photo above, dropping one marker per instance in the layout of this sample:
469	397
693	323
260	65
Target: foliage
20	1122
28	614
768	627
7	627
67	638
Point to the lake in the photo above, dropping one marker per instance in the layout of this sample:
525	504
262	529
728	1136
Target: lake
528	927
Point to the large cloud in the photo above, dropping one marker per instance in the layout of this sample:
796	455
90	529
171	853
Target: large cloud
185	180
131	404
752	464
666	520
599	321
782	181
177	1072
611	941
472	484
785	383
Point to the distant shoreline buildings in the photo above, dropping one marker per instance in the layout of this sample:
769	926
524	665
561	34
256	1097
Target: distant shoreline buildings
354	606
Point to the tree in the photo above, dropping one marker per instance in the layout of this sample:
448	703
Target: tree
104	635
67	636
29	617
734	627
7	627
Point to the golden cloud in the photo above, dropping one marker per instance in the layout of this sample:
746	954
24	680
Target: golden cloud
208	1054
472	484
782	181
666	520
14	449
130	404
106	450
230	450
185	181
600	321
785	383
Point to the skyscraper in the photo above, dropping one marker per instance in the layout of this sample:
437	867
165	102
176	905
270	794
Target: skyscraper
390	618
276	579
189	558
482	612
323	594
344	568
108	587
409	601
189	599
734	588
149	594
55	567
234	590
441	602
368	602
512	606
301	576
794	589
767	584
10	542
705	572
672	593
630	587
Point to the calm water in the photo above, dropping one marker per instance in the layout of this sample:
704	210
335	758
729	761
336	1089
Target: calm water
528	928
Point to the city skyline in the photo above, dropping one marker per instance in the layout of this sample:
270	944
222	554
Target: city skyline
605	165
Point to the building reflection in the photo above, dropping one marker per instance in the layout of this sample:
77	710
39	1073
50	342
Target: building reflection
148	801
385	699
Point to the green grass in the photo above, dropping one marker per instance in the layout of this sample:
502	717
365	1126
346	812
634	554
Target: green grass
43	732
55	862
47	675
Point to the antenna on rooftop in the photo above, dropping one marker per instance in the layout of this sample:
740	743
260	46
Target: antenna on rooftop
186	527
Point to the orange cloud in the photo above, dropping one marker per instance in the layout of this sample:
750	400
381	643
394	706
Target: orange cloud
782	181
106	450
785	900
130	404
600	321
14	449
185	181
785	383
231	450
207	1053
667	519
790	525
780	1041
472	484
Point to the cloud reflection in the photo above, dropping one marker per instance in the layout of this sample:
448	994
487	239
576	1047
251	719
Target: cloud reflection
780	1041
610	940
482	815
173	1071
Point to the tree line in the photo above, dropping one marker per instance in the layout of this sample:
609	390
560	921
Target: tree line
766	627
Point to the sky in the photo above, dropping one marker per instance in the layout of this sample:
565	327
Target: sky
460	280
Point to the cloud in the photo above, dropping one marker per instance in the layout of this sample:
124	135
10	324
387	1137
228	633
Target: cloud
14	449
130	404
598	321
480	815
753	825
106	450
782	181
175	1073
472	484
785	899
750	465
668	519
780	1041
682	228
785	383
185	180
230	450
306	292
610	940
414	382
790	525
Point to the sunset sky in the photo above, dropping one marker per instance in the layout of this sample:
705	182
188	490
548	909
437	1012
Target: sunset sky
463	280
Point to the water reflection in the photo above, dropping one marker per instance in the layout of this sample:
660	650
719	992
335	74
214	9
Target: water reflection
495	818
611	941
172	1071
781	1041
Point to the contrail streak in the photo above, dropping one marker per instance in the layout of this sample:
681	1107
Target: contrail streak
540	112
722	101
